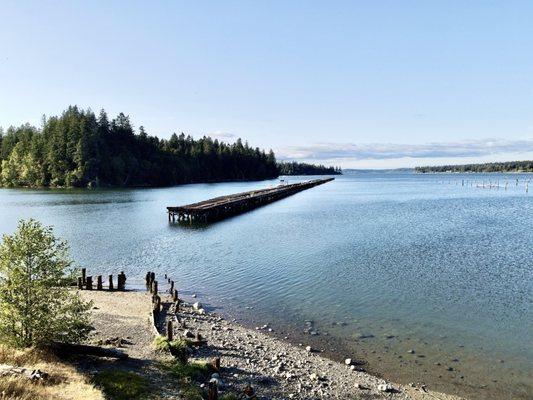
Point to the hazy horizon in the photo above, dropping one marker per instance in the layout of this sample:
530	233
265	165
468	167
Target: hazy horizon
357	85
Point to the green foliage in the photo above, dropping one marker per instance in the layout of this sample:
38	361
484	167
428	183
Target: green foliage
191	392
36	305
229	396
122	385
195	371
294	168
179	348
79	149
511	166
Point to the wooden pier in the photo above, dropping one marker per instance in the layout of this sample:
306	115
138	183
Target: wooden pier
233	204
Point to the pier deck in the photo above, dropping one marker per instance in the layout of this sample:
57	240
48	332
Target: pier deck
225	206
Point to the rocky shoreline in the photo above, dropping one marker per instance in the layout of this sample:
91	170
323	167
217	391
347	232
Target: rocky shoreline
275	368
282	370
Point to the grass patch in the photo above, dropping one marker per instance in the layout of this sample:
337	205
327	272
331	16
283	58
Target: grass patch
122	385
191	392
194	371
179	348
229	396
64	381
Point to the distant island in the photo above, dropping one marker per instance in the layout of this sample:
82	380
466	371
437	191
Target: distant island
294	168
80	149
508	166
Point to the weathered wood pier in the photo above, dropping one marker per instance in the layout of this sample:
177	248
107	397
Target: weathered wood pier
233	204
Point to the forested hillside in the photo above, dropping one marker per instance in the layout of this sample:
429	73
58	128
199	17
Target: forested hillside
509	166
80	149
295	168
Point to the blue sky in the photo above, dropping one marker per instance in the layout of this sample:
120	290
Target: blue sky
365	84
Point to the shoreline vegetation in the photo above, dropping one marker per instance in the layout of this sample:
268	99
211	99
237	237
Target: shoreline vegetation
80	149
508	166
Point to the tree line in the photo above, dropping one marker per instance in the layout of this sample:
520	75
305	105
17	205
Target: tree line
295	168
80	149
509	166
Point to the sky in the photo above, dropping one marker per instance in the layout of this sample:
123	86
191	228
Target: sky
356	84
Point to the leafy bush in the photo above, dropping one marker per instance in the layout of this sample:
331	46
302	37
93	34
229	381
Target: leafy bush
36	305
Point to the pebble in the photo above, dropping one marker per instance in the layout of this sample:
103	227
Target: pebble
385	387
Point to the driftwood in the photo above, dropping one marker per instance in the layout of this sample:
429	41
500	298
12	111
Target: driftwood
31	374
68	349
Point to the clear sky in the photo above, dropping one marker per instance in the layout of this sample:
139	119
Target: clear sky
366	84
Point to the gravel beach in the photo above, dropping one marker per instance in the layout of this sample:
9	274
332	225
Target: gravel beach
275	368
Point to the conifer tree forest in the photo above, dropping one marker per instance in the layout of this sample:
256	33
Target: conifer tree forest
81	149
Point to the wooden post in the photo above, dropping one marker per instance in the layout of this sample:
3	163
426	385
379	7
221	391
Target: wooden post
156	302
198	337
215	363
121	281
213	391
171	286
83	275
154	287
99	282
89	283
111	282
170	332
175	295
80	282
147	280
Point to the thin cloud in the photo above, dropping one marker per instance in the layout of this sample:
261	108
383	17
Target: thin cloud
384	151
226	136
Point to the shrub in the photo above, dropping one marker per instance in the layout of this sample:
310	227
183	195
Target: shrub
36	305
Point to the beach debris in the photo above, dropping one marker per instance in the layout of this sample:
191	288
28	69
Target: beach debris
348	361
194	296
31	374
386	388
309	349
411	351
197	305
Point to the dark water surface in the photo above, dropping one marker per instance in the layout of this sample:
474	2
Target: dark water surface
381	263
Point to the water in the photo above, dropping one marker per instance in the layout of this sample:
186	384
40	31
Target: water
382	263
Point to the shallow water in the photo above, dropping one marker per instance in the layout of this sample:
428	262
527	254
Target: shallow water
382	263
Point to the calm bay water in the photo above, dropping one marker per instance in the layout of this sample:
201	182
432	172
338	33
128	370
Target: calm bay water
382	263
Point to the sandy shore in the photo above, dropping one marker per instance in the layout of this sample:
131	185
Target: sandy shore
275	368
